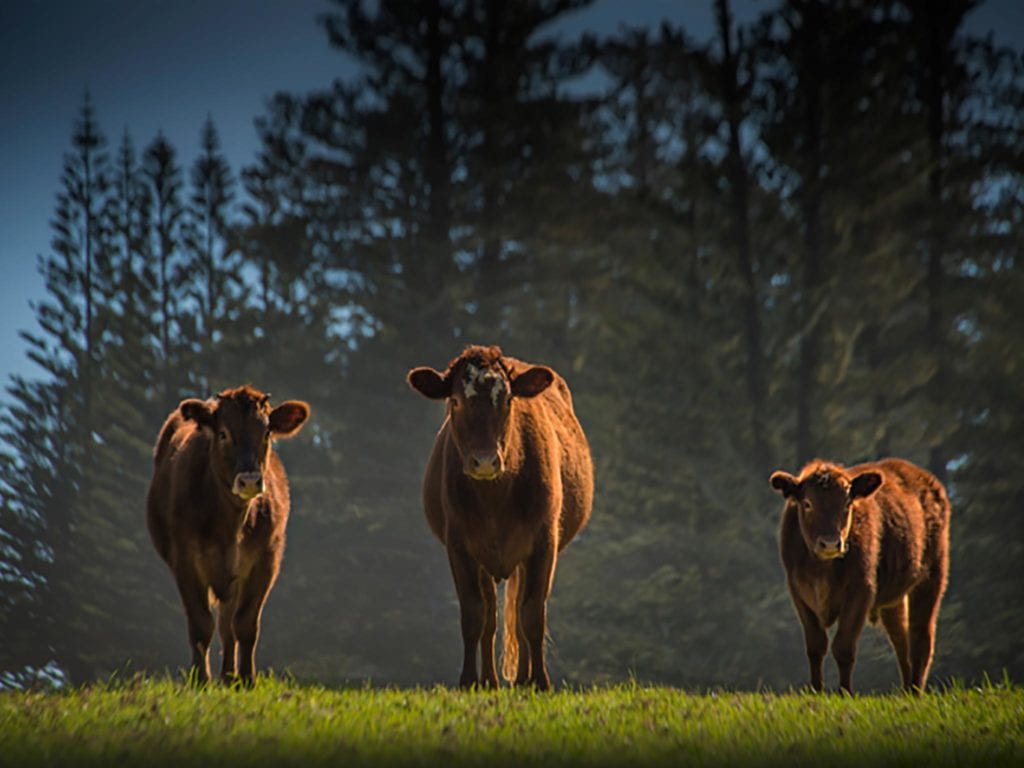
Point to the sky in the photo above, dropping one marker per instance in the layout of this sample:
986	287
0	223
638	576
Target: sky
163	65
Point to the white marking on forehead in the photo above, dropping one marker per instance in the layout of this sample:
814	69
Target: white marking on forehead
486	380
472	374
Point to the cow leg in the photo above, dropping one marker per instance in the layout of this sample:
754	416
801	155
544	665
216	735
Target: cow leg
515	593
815	641
246	624
195	597
924	612
228	641
537	578
523	673
844	644
466	573
894	619
489	591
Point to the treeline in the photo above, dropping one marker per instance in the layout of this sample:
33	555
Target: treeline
799	238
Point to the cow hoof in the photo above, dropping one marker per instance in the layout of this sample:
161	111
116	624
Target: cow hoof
541	684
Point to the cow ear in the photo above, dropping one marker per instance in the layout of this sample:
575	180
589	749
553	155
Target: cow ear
198	411
865	484
287	419
429	383
784	483
532	381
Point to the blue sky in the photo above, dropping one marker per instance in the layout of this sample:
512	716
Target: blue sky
164	65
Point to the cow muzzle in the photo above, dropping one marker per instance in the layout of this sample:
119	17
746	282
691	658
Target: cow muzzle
482	466
830	547
248	485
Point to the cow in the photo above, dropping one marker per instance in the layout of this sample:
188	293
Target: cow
868	542
217	508
508	484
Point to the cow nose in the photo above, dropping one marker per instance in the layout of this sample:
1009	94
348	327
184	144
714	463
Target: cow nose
829	546
248	484
484	465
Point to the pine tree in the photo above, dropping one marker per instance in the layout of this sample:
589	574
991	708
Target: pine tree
117	568
24	556
64	407
81	434
211	265
735	102
163	177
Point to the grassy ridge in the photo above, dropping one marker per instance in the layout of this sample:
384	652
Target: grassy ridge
159	722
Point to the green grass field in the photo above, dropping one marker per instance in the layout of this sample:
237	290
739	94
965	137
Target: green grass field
162	722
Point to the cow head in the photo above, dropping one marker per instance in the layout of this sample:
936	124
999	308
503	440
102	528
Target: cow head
480	388
241	424
824	497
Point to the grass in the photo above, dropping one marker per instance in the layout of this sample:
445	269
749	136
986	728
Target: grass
157	722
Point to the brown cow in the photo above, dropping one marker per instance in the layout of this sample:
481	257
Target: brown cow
508	484
217	509
870	541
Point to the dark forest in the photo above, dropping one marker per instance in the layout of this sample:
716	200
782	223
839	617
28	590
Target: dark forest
800	239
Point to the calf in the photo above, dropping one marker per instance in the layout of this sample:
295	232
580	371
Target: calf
508	484
217	509
870	541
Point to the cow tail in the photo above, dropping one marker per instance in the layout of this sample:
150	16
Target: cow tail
510	646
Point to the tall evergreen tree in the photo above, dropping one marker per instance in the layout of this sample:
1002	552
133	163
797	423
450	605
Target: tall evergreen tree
940	84
211	266
163	177
24	558
64	407
515	123
115	569
735	103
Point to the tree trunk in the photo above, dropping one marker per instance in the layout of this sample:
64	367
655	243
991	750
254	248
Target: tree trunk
937	56
492	101
810	82
739	184
436	253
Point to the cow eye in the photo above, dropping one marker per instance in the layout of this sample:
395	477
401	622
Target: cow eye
223	435
808	507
